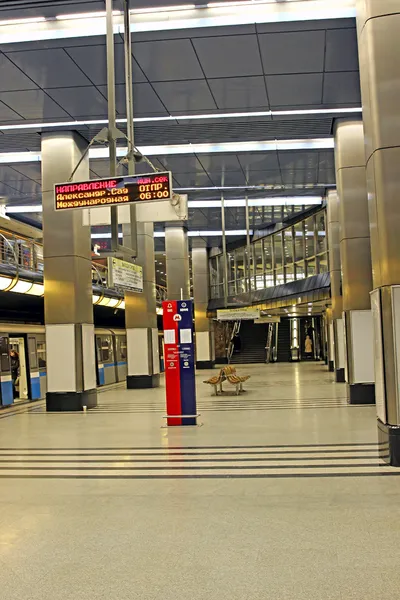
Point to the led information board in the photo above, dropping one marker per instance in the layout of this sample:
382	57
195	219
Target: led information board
113	191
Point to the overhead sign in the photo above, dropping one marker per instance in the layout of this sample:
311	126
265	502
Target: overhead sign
124	275
238	314
113	191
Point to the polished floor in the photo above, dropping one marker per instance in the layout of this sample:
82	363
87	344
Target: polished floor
279	494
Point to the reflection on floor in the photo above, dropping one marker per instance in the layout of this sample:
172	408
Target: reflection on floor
279	495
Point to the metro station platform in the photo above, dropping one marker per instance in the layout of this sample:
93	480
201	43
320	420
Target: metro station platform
279	495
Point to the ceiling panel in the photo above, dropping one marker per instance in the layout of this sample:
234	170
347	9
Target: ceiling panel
8	174
239	92
229	56
12	78
218	162
341	50
190	96
193	179
29	170
264	178
299	177
167	60
6	113
326	176
258	161
181	164
227	177
32	104
298	160
294	90
342	88
92	60
26	186
145	100
49	68
80	101
295	52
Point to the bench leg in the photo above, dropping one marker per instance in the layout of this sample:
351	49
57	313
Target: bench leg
241	386
215	390
220	387
237	389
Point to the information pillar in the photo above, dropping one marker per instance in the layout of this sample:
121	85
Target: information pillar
179	362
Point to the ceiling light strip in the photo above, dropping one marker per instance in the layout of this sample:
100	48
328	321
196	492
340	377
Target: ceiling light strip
171	18
205	117
177	149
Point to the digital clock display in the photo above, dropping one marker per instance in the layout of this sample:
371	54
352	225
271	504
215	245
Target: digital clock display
113	191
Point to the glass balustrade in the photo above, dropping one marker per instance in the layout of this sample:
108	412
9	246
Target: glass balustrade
293	253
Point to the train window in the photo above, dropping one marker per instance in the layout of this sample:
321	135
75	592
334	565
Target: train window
41	354
33	363
121	347
106	350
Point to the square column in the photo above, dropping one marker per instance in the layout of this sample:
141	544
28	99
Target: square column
205	352
355	256
177	261
68	304
378	26
336	324
141	316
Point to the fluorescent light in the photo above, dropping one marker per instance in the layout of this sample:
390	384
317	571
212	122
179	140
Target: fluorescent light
88	15
113	302
24	209
157	9
283	201
104	301
36	290
122	305
95	298
22	21
21	287
235	115
5	282
178	149
174	18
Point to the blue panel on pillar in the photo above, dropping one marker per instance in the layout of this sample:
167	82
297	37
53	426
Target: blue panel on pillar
7	396
35	388
101	375
186	360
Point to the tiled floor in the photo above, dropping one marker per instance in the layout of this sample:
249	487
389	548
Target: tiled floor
279	495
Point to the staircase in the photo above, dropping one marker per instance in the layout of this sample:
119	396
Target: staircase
284	342
253	341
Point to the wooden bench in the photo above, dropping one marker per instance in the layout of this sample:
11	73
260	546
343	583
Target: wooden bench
217	381
234	379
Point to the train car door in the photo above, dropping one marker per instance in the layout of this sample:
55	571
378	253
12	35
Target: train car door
6	385
21	389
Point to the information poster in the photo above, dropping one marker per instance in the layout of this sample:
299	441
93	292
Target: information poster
125	275
179	362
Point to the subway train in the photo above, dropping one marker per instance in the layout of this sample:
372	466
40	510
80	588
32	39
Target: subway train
29	342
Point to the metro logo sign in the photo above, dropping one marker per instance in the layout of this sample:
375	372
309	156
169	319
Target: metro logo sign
113	191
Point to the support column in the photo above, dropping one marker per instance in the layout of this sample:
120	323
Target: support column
329	337
177	261
205	352
355	255
141	316
336	326
378	25
68	305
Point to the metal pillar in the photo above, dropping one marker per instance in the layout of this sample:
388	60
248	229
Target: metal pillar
205	352
140	308
224	254
355	255
337	330
71	370
378	43
177	261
